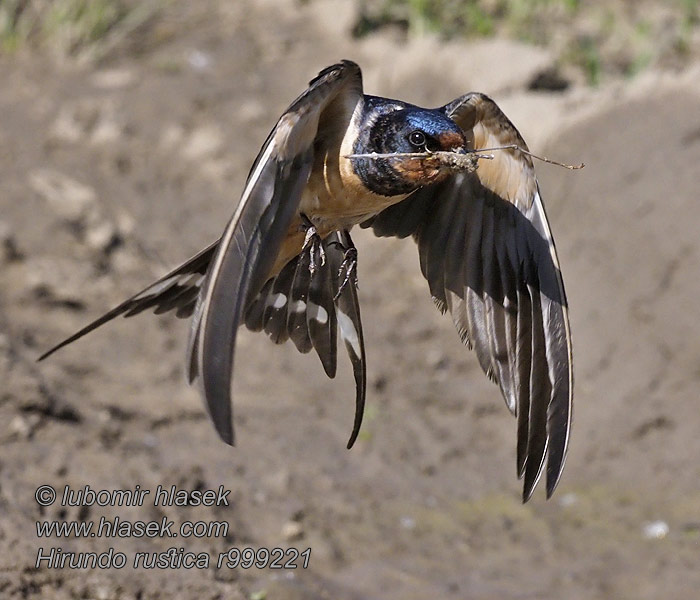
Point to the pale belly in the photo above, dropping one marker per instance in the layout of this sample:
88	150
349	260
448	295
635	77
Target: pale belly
330	212
342	209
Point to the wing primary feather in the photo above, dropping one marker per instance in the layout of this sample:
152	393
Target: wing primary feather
523	361
458	310
509	267
467	214
470	263
499	317
491	282
474	273
558	412
557	343
540	393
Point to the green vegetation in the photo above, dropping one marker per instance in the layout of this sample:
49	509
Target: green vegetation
597	38
71	27
591	40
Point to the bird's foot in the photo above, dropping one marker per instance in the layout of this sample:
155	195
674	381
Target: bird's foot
348	269
313	242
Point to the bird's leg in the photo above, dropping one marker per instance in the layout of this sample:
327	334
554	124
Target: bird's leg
313	242
348	268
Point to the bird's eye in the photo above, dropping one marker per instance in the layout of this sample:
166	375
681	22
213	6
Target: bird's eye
417	139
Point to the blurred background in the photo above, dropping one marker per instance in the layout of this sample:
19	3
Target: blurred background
126	131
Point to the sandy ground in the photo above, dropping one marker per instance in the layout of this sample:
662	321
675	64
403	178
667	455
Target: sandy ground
110	176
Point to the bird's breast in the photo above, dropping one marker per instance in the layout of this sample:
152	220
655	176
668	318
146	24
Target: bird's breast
335	197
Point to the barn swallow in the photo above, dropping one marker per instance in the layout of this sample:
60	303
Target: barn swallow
286	263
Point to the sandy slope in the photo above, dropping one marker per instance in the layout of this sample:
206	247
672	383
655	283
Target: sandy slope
108	177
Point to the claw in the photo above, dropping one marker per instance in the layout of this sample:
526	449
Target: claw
349	266
313	240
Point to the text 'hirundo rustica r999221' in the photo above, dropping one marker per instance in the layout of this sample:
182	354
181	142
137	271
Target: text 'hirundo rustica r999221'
286	264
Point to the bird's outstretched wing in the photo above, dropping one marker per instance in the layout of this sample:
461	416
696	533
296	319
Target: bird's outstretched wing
487	252
309	306
221	281
178	290
252	239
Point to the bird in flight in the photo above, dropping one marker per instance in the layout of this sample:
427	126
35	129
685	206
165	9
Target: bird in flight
286	265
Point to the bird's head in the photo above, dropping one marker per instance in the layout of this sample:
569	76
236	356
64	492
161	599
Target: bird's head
408	130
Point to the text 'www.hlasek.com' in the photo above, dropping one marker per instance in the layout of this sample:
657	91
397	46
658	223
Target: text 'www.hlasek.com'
115	528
